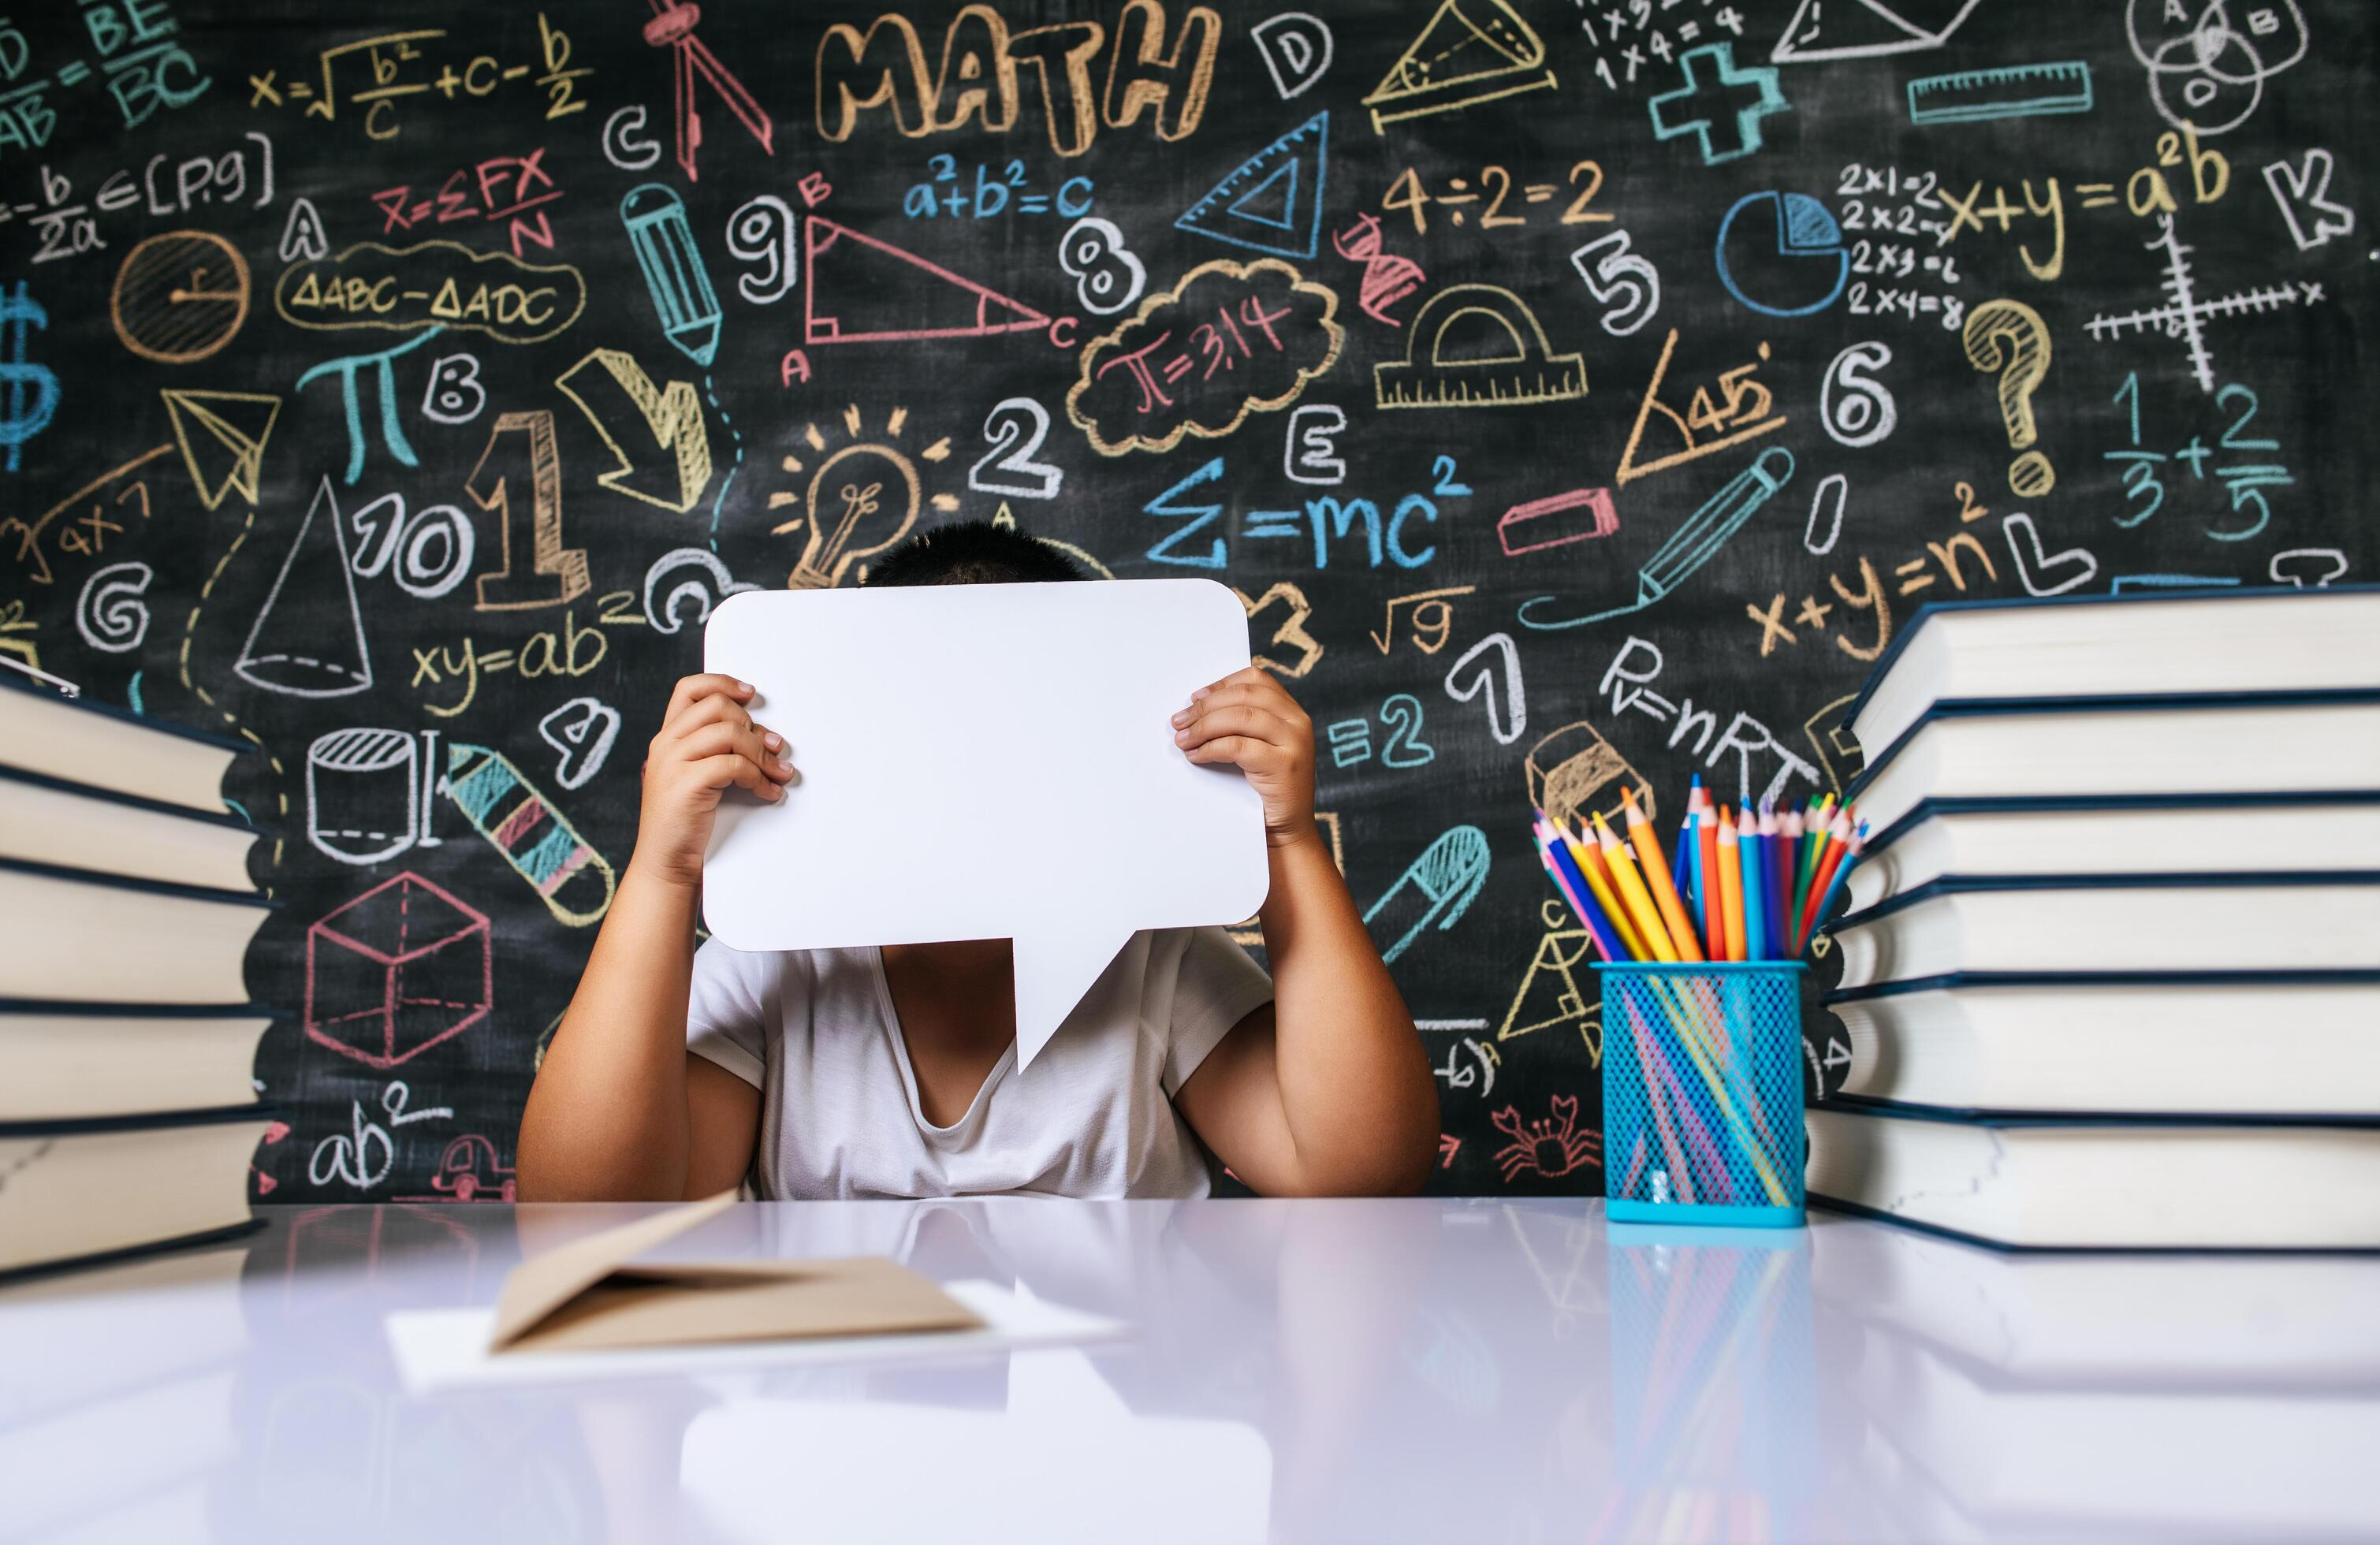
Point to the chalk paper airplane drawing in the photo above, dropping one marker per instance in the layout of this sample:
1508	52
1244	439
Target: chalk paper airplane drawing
307	640
1473	51
229	451
1477	345
1865	29
860	290
1273	201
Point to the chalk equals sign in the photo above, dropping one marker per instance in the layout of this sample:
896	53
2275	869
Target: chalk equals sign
2011	92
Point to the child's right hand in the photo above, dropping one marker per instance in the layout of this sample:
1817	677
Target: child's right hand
707	742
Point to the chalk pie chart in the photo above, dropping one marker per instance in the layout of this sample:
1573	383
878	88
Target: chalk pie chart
1781	254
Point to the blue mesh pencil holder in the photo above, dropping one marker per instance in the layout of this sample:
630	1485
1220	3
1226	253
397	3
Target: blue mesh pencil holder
1702	1092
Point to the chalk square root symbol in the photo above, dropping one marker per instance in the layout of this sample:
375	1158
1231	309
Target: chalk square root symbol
396	971
985	761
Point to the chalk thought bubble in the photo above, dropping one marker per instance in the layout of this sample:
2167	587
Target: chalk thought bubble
985	761
1229	340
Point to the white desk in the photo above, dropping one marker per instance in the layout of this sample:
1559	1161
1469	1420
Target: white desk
1365	1372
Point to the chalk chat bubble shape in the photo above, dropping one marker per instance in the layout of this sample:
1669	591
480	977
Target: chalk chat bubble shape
985	761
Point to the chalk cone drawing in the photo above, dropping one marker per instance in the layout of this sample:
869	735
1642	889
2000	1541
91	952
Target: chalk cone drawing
1472	51
397	970
858	289
307	649
1272	201
223	436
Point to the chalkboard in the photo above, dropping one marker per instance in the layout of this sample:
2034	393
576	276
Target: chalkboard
1578	394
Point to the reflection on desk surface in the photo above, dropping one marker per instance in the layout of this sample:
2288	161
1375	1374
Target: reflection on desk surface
1410	1371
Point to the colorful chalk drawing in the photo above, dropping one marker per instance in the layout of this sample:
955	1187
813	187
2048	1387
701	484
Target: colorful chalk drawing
1712	107
860	290
291	650
1435	890
1471	52
1824	30
1272	201
574	881
1446	365
229	452
671	417
399	969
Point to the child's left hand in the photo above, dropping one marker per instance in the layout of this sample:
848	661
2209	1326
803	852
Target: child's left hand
1250	720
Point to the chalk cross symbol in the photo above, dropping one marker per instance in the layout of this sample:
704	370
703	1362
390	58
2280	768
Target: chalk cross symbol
1715	89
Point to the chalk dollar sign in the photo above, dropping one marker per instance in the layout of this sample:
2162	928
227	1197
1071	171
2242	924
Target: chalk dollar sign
20	419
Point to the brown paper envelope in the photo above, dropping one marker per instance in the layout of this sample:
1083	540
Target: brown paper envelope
587	1295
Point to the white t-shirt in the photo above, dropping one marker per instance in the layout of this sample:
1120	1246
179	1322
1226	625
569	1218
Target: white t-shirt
816	1032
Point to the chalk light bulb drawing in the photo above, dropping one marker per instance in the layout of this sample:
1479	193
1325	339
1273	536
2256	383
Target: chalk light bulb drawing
862	498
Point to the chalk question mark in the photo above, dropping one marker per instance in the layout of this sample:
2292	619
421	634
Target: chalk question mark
2008	338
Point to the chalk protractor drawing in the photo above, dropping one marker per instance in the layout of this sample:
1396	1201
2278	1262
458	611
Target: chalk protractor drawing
1477	345
857	290
1865	29
1273	201
222	435
180	296
1473	51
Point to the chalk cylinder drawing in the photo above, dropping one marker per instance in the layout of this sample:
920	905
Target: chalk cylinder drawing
363	794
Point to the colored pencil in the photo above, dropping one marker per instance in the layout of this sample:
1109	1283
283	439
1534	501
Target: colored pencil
1590	864
1678	853
1780	886
1573	885
1632	893
1749	856
1731	880
1659	879
1829	860
1706	865
1796	882
1851	857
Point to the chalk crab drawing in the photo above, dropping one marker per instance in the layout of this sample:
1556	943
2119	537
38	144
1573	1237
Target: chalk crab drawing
1549	1146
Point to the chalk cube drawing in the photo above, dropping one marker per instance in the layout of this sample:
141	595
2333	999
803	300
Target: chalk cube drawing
396	971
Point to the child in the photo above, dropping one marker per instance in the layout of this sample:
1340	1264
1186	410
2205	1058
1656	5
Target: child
891	1072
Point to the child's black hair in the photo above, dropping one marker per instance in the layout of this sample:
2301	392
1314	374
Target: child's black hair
971	552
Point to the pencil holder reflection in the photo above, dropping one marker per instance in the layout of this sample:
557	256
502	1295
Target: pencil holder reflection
1702	1092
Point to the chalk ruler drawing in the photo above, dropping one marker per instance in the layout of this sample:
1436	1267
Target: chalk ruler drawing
2011	92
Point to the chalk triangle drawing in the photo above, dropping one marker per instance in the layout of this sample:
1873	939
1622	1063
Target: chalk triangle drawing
1473	51
1865	29
229	450
307	640
860	290
1272	201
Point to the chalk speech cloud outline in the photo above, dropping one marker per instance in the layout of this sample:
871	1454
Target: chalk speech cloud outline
1129	334
985	761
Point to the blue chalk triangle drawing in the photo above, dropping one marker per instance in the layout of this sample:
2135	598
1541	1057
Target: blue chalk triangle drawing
1272	201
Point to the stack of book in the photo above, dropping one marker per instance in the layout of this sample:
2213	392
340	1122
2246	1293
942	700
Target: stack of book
128	1102
2111	967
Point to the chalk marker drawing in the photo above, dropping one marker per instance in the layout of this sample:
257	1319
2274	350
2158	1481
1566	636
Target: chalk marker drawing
1311	455
110	613
1549	1146
1471	676
1823	30
2039	570
1855	409
400	968
863	290
662	240
1553	990
1296	49
1290	632
368	793
1557	520
1016	428
1829	731
1628	280
2010	91
1713	106
1106	276
454	395
1387	277
1743	410
582	730
2185	313
1272	201
1781	254
1827	514
1447	366
469	1170
1436	889
1703	533
538	569
427	552
1472	51
1005	519
229	451
297	648
302	236
764	230
2302	191
363	1156
574	881
1431	621
2008	339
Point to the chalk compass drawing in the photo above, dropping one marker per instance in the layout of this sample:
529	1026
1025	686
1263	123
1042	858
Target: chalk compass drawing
1477	345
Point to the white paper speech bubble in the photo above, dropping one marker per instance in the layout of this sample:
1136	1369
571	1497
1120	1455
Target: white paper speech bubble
985	761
